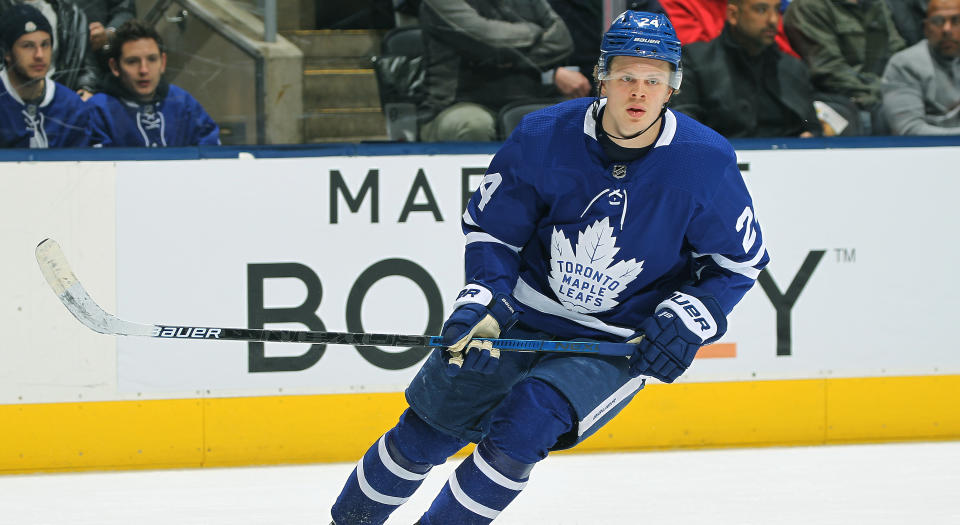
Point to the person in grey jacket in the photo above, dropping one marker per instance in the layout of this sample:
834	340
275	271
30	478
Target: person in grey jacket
481	55
921	85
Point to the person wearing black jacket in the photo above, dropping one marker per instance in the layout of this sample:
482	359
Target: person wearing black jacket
741	85
481	55
74	64
104	17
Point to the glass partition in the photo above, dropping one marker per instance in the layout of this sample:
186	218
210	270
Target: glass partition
339	71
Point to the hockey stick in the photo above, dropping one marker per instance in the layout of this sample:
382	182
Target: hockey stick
67	287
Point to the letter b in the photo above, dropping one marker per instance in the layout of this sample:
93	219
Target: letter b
306	313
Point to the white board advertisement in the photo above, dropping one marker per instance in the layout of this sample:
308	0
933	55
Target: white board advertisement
860	282
338	244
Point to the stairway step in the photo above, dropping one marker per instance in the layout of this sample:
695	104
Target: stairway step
340	88
336	42
338	123
360	62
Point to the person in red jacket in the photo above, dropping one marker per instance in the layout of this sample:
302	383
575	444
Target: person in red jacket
702	20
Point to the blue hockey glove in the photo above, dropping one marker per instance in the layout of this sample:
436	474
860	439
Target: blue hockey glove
668	341
477	313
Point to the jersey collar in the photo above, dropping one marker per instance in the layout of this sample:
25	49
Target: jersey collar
49	90
666	136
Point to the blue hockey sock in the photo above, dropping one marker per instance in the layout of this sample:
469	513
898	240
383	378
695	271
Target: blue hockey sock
382	481
479	489
391	470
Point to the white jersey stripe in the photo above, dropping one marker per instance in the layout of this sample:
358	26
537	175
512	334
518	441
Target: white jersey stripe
467	502
371	493
609	403
669	129
527	295
589	124
392	465
743	268
495	476
473	237
601	194
469	220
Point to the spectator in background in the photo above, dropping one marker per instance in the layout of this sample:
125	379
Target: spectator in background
584	20
74	64
846	45
137	106
104	17
703	20
741	85
921	85
35	111
908	18
481	55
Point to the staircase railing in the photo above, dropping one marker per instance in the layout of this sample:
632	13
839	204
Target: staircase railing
192	9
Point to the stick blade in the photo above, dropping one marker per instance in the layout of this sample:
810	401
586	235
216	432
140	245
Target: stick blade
54	266
56	270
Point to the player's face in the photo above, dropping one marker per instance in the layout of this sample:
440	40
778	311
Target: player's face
140	67
754	22
636	90
942	27
29	57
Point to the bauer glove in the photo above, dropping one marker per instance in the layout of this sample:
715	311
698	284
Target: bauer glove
477	313
668	341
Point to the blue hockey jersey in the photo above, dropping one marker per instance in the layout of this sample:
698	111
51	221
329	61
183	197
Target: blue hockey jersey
173	118
590	247
59	119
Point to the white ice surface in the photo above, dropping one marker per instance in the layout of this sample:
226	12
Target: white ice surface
900	484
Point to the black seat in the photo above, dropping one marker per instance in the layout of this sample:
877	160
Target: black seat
399	71
405	41
510	115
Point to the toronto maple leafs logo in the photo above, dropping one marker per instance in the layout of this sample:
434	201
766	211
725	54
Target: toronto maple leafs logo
586	279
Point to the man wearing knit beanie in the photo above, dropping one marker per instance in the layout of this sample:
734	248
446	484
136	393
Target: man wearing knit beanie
74	64
35	111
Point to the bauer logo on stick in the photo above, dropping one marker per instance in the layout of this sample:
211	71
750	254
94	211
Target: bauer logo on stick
186	332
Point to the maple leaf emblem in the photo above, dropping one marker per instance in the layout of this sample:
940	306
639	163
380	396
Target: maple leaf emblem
586	279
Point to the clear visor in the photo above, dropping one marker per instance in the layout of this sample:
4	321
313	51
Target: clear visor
639	74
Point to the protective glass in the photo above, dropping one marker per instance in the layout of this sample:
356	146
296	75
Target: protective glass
634	77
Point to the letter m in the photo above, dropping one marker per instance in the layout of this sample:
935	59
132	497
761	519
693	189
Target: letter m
339	187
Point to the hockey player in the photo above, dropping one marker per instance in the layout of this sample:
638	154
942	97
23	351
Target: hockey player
608	219
35	111
137	106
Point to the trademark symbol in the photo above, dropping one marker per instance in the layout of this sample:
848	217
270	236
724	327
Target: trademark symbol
846	255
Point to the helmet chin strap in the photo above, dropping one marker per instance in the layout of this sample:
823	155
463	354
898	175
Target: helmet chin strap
596	118
663	110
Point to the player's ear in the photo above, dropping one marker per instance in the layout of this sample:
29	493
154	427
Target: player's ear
114	68
163	63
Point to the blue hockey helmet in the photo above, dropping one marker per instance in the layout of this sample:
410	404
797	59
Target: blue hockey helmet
644	35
